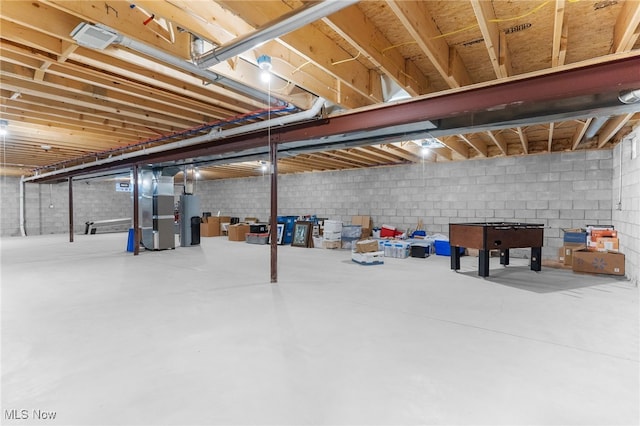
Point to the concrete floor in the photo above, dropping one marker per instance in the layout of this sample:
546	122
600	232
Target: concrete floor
198	336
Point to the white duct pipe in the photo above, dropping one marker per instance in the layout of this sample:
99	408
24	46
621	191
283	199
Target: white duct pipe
630	96
189	67
297	18
22	207
211	136
594	127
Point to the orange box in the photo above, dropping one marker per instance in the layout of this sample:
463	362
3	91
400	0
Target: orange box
607	244
603	233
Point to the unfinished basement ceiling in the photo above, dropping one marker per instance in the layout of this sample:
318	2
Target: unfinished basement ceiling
65	102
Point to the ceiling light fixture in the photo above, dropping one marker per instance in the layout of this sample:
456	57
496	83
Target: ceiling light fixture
264	62
15	95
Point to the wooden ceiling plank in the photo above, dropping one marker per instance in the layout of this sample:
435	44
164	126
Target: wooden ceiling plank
609	130
32	102
353	25
627	27
559	45
310	43
113	93
210	21
386	156
163	77
21	84
476	143
457	146
524	140
417	20
30	37
498	139
67	49
495	43
91	126
329	157
580	131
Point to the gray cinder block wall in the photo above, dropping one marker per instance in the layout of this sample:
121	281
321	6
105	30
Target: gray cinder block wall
91	201
561	190
626	203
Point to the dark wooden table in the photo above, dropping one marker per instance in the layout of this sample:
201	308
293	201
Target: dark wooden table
487	236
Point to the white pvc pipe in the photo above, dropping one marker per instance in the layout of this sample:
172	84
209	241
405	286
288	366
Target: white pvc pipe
22	206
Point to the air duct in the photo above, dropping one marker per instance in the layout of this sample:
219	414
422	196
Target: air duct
81	35
310	12
630	96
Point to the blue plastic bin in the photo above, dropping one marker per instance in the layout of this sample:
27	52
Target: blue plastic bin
444	249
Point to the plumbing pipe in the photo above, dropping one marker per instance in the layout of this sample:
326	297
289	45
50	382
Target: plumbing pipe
211	136
297	18
22	206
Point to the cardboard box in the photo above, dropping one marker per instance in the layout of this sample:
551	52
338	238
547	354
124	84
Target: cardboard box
565	253
577	236
365	222
238	232
371	258
598	262
332	236
331	244
607	244
366	246
211	226
332	226
257	238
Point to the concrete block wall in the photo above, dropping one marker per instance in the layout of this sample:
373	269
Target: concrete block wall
9	206
560	190
626	216
91	201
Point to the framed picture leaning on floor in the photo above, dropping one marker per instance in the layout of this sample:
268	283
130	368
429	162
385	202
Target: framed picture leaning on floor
301	234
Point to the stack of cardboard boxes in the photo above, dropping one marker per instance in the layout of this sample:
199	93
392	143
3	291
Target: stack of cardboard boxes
367	252
211	226
593	250
332	234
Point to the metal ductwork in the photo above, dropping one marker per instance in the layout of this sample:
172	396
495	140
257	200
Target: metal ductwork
211	136
100	37
630	96
310	12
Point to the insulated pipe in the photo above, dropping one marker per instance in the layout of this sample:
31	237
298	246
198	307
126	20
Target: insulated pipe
189	67
22	207
297	18
211	136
